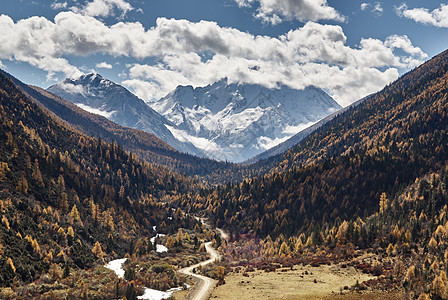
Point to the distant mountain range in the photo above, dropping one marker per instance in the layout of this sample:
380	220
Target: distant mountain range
145	145
226	122
235	122
98	95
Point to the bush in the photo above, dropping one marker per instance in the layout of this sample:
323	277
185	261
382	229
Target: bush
161	267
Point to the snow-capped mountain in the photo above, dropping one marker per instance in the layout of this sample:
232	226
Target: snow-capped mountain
98	95
295	139
235	122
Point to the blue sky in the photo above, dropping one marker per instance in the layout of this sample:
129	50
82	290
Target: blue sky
348	48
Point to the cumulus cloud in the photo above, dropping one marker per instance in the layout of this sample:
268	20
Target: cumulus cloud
104	65
32	41
200	53
374	8
303	57
103	8
274	11
405	44
437	17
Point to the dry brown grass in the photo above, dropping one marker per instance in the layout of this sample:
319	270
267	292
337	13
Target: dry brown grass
301	283
181	294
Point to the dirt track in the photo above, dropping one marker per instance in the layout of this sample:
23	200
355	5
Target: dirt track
205	285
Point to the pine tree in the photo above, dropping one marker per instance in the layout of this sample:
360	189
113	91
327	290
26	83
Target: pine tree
284	249
220	273
129	273
384	202
70	232
22	185
131	294
75	214
10	263
66	271
97	250
5	222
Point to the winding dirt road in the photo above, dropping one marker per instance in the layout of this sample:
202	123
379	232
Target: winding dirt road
205	285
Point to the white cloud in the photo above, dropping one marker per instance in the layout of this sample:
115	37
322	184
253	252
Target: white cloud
438	17
306	56
70	88
274	11
244	3
374	8
106	114
59	5
104	65
104	8
203	52
32	41
2	66
377	9
405	44
266	143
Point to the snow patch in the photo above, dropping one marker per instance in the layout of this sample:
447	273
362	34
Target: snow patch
198	142
293	130
267	143
159	248
151	294
116	266
106	114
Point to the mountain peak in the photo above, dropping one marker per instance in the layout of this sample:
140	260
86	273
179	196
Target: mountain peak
222	81
91	79
236	121
101	96
93	76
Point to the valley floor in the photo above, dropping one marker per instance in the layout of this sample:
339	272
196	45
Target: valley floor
303	282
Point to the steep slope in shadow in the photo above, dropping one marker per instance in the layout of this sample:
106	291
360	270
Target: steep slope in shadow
96	94
143	144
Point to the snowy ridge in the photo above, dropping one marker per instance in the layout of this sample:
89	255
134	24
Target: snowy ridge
302	134
98	95
226	122
236	122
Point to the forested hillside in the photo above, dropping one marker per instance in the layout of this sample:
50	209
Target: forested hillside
68	200
145	145
340	171
401	112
